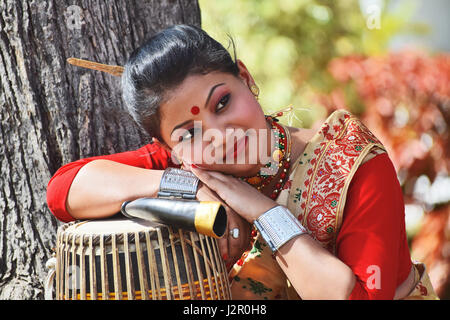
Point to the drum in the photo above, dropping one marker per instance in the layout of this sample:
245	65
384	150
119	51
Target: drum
121	258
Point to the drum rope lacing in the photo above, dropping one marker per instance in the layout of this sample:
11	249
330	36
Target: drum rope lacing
68	239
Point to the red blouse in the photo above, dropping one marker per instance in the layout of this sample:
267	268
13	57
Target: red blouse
372	240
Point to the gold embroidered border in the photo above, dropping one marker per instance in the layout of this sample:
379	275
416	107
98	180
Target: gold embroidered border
334	129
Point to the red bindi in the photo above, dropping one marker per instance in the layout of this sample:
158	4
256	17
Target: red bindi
195	110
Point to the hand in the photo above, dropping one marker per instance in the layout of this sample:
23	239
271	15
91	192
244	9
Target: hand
248	202
230	248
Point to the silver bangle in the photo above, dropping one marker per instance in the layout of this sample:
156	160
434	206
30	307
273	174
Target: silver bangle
277	226
178	183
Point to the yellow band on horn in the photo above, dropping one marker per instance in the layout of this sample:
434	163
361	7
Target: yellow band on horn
205	216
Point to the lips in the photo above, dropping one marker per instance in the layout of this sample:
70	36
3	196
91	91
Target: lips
237	148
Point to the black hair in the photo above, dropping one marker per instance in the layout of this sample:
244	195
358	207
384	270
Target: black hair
162	63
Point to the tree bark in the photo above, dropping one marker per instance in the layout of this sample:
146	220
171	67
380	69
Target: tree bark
53	113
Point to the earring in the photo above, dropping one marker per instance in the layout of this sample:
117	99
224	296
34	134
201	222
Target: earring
255	90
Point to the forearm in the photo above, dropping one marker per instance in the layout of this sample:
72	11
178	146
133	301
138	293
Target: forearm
313	271
101	186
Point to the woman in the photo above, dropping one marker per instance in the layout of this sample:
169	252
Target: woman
348	239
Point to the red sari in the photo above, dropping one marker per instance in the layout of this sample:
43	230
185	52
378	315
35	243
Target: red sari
368	234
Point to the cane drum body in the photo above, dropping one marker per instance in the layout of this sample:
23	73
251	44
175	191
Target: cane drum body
124	259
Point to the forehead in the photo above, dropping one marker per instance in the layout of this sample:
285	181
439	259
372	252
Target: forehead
193	91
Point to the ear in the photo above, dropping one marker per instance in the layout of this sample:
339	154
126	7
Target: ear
244	74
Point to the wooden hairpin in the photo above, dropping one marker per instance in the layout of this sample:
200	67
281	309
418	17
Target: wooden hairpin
114	70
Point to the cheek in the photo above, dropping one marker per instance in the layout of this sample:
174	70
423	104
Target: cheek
249	110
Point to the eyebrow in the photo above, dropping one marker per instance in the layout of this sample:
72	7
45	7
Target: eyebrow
206	103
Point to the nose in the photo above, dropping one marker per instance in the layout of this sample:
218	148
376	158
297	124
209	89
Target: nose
221	136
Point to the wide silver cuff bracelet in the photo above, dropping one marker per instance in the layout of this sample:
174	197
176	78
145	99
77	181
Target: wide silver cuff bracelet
277	226
178	183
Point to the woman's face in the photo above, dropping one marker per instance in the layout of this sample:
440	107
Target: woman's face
215	122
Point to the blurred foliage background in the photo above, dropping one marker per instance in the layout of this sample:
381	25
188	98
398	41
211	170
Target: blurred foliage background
326	55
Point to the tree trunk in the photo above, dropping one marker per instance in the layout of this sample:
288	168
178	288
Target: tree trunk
53	113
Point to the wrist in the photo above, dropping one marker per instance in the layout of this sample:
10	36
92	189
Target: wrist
263	206
277	226
152	181
178	183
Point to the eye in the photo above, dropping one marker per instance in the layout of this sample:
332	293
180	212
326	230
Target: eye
223	102
188	134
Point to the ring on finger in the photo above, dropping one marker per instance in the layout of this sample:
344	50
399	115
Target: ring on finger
234	233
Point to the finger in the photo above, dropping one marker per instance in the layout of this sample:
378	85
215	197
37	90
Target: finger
215	174
185	167
228	180
224	242
223	247
211	181
234	244
219	176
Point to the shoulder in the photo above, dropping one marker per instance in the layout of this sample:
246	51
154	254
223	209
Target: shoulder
375	184
157	155
340	126
154	148
376	168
